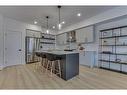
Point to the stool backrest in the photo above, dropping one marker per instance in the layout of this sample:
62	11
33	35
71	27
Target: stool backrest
43	55
51	57
38	54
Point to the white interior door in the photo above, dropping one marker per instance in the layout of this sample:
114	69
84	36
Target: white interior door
13	50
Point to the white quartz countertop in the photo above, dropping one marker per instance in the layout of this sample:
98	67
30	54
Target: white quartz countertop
57	52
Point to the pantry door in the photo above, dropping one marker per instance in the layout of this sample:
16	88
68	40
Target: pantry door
13	48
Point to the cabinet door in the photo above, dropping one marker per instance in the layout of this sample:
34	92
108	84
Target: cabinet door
85	35
29	33
89	34
87	58
32	33
61	39
37	34
80	36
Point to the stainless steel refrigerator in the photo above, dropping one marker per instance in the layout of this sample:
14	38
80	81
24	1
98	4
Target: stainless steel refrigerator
32	45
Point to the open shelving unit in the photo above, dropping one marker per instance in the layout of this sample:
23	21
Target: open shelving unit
47	39
113	49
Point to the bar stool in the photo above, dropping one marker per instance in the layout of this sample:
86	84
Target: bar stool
50	65
43	60
37	65
58	70
53	62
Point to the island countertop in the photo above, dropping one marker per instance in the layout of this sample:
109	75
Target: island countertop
57	52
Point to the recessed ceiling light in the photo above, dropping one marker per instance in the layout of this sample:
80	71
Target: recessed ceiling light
63	22
53	27
35	22
79	14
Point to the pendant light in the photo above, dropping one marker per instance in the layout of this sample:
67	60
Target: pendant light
59	24
47	31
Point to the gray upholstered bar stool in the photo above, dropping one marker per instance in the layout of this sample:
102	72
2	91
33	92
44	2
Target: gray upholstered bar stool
53	61
43	60
58	67
37	65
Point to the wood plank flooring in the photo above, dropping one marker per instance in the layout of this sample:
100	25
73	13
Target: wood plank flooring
27	77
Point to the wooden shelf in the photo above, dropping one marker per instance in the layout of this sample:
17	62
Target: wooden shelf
48	38
47	34
47	43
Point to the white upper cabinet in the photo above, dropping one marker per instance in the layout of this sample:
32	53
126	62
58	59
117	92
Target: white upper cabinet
85	35
61	39
32	33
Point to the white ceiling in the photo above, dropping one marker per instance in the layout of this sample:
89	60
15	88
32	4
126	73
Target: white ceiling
68	13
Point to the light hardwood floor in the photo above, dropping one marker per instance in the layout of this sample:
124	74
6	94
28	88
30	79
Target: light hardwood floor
27	77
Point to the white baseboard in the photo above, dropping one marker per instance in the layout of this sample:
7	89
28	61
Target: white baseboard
1	68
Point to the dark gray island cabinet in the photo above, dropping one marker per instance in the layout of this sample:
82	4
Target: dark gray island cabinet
69	63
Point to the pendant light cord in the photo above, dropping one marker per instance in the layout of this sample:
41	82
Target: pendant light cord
47	22
59	13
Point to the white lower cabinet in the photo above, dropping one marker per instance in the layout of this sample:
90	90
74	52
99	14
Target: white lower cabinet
87	58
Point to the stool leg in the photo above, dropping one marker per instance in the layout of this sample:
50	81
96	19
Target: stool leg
52	67
34	67
44	63
37	65
59	67
47	66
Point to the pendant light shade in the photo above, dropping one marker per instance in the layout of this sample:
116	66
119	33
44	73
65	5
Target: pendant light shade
47	31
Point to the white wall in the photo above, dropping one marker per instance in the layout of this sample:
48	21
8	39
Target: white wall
11	24
1	42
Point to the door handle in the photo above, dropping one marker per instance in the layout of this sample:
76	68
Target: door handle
20	50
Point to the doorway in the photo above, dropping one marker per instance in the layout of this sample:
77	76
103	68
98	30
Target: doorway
13	48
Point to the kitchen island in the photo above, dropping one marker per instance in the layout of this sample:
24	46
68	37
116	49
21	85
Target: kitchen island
69	62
